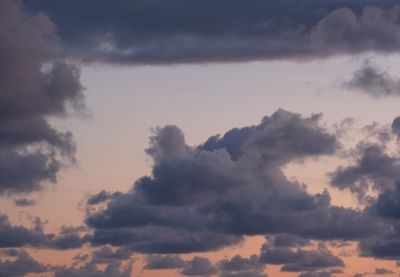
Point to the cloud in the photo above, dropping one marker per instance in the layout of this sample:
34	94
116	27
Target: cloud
207	197
67	238
35	84
21	265
155	262
239	266
374	81
287	240
17	236
108	255
316	274
387	244
20	236
178	31
396	126
387	204
25	202
113	262
383	271
297	259
373	168
199	266
91	270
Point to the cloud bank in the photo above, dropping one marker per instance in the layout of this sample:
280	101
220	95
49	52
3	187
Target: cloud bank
179	31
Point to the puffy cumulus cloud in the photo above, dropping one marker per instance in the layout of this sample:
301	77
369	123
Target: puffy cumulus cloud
20	236
374	81
374	164
374	168
388	203
374	178
21	264
199	266
106	255
239	266
154	262
204	198
295	258
178	31
387	244
67	238
344	31
17	236
34	85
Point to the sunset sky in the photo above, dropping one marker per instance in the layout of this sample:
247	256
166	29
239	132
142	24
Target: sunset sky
223	138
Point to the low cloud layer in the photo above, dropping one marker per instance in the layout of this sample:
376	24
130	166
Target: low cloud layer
178	31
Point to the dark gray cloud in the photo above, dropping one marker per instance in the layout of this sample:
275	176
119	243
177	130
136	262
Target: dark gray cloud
297	259
387	244
155	262
67	238
104	261
177	31
20	236
100	197
17	236
374	81
25	202
373	168
199	266
114	269
239	266
34	85
385	247
316	274
21	265
388	203
383	271
106	255
396	126
207	197
288	240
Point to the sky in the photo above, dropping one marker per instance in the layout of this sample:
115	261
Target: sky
222	138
